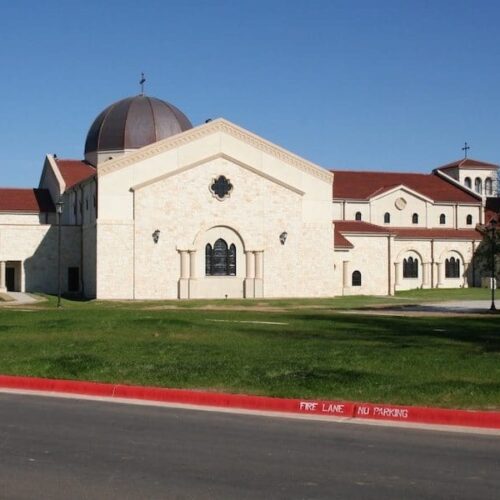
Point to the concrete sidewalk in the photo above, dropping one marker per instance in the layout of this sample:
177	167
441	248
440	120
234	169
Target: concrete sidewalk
19	298
456	306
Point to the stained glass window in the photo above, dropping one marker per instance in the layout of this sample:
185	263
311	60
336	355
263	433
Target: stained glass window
452	268
410	268
221	260
208	259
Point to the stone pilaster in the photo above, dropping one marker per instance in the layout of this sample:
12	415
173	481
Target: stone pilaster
184	279
249	283
440	275
397	275
259	273
345	275
426	272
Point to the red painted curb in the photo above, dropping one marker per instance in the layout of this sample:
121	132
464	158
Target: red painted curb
414	414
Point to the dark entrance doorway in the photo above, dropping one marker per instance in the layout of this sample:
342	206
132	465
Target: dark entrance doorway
73	279
10	279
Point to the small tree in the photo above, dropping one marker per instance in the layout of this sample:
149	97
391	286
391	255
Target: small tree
488	246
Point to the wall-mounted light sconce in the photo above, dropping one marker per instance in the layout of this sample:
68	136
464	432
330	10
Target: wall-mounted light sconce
283	237
156	235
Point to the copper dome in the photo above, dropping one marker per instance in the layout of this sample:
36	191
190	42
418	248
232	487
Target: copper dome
134	122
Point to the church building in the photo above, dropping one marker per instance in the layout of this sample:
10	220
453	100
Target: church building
159	209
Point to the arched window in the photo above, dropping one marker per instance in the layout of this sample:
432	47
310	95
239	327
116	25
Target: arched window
469	219
387	218
208	259
488	186
221	259
357	216
442	219
478	185
452	268
356	278
468	182
414	219
410	268
231	261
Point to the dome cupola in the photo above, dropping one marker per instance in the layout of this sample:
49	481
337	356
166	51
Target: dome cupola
132	123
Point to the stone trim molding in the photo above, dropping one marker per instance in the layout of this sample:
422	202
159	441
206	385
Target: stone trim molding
57	173
208	159
218	125
384	193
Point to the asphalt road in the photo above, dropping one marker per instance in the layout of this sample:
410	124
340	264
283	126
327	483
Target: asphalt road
72	449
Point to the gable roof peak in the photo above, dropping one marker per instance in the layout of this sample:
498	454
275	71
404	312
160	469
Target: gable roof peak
467	163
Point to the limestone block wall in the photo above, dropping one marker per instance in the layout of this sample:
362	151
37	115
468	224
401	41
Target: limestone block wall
352	207
258	210
432	257
23	218
370	257
482	175
35	248
427	211
399	217
464	211
114	257
80	204
461	249
165	187
89	260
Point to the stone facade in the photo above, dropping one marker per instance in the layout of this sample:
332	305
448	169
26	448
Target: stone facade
143	224
175	199
31	252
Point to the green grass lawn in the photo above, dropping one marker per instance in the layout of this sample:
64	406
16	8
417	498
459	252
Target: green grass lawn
318	351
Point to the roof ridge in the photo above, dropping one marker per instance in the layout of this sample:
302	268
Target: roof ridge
459	163
377	172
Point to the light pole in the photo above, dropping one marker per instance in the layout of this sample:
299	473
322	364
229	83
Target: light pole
59	210
493	229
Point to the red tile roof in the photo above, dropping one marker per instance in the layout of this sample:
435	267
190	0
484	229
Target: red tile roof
25	200
340	241
74	171
468	163
351	226
364	185
358	226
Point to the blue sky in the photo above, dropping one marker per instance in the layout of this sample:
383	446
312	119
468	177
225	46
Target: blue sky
376	85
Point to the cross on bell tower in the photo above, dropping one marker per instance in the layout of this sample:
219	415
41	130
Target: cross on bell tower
465	149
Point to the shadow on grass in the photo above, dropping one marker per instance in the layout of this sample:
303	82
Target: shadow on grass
397	332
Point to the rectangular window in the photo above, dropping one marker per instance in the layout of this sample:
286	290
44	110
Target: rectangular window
73	279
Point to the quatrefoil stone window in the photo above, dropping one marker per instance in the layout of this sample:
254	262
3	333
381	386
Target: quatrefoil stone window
221	187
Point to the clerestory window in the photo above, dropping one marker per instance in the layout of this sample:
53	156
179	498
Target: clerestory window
356	278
